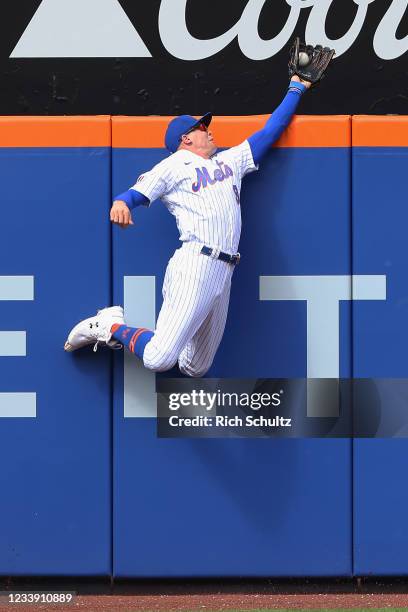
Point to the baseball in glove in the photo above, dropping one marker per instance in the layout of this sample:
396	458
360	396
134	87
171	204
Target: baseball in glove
308	62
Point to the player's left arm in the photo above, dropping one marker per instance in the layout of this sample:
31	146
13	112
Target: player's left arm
261	141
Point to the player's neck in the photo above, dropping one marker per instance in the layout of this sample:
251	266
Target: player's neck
196	151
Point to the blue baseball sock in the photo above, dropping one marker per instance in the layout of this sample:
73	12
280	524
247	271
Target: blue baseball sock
134	338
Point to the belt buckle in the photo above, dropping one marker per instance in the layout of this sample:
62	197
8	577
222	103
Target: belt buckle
215	253
238	256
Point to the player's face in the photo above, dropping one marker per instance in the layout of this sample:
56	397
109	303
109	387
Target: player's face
201	140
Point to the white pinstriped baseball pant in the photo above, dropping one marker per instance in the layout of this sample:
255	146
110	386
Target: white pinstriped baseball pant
191	322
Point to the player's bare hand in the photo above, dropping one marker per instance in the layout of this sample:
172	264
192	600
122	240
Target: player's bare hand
120	214
307	84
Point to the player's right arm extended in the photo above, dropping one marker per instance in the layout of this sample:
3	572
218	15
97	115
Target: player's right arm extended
261	141
123	204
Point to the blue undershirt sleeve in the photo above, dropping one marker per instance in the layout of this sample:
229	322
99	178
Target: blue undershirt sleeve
133	198
261	141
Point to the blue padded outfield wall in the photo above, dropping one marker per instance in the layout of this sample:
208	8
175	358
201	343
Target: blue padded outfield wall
380	219
237	506
55	432
88	487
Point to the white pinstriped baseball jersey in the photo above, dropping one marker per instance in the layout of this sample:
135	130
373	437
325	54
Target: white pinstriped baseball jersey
202	194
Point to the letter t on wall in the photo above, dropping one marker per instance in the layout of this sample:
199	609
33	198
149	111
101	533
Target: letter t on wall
322	295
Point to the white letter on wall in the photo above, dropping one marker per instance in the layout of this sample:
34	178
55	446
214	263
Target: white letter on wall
322	295
13	344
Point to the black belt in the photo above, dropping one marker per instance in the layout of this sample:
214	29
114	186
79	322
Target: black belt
216	254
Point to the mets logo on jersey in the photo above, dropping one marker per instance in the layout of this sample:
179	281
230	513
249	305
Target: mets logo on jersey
203	176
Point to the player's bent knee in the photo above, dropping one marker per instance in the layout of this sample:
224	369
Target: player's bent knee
193	373
160	363
156	359
160	366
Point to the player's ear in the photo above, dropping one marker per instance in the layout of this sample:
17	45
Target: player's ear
185	139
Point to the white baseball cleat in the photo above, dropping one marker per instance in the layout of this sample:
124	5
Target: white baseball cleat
96	330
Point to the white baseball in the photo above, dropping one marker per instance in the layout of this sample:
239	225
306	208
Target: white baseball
303	59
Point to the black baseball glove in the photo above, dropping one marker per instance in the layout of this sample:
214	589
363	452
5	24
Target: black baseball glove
319	59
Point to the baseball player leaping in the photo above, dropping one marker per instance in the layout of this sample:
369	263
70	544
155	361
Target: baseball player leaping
201	188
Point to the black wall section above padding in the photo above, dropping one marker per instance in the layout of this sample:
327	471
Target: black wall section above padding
230	75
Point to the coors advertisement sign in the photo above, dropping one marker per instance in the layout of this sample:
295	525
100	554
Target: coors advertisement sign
165	57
